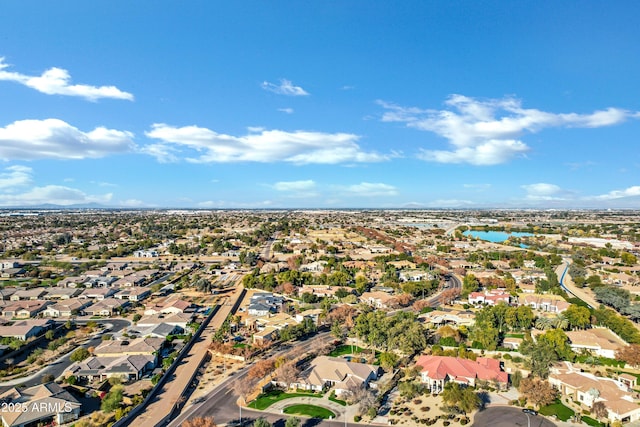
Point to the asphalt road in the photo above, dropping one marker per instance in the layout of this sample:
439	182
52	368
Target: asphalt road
504	416
221	404
58	367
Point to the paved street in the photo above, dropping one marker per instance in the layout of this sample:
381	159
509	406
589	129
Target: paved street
504	416
59	366
168	396
221	402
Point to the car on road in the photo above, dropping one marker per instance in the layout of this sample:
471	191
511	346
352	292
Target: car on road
530	411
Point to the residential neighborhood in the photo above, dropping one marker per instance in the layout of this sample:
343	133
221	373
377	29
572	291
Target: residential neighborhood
362	313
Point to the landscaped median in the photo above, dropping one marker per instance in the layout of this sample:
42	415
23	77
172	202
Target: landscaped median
270	397
309	411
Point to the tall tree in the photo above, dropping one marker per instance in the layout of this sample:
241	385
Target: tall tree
578	317
537	391
629	354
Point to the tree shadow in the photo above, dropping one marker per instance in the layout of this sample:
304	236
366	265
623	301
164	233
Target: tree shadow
311	422
485	399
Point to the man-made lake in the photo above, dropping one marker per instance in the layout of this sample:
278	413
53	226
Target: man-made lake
495	236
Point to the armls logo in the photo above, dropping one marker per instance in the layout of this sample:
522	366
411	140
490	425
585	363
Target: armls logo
47	407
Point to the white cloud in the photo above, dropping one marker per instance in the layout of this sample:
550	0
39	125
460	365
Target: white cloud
286	87
487	132
105	184
477	186
54	194
543	191
633	191
295	186
56	81
489	153
55	139
369	189
286	110
259	145
15	176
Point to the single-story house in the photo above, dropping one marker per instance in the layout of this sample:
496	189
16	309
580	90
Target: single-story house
436	371
588	389
337	372
47	404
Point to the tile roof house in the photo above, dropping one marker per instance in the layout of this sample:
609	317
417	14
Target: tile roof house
599	341
24	309
66	308
127	368
45	404
436	371
491	297
177	319
336	372
106	307
376	299
23	330
161	330
5	293
588	389
134	347
550	303
97	293
172	306
28	294
440	317
60	293
133	294
263	303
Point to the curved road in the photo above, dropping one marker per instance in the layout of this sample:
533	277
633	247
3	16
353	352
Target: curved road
221	402
505	416
60	365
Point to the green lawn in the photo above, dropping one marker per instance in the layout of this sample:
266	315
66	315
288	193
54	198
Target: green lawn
269	398
309	411
338	401
590	421
514	335
341	350
562	412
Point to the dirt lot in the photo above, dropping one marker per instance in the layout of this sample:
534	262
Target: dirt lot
216	370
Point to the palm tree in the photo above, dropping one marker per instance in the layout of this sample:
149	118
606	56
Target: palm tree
544	323
560	322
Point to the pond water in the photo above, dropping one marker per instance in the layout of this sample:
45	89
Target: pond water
495	236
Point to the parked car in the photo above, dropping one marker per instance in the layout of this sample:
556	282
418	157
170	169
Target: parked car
530	411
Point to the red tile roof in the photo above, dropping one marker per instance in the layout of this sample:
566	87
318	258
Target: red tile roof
441	367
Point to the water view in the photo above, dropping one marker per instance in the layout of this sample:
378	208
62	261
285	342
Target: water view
495	236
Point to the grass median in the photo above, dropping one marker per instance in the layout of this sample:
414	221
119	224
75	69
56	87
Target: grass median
309	411
267	399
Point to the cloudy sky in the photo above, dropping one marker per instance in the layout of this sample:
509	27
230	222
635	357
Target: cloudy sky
289	104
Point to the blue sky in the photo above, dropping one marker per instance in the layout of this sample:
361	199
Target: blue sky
329	104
